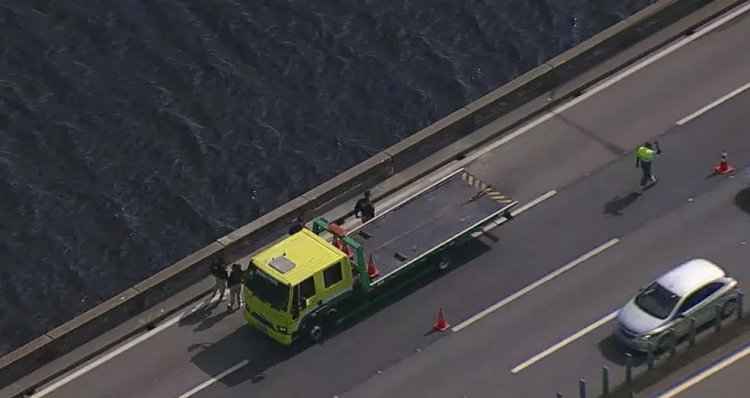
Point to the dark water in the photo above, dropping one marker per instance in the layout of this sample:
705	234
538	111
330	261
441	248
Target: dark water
134	132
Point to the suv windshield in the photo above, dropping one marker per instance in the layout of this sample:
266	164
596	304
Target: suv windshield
267	289
657	300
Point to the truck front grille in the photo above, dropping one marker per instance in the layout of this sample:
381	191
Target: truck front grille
262	320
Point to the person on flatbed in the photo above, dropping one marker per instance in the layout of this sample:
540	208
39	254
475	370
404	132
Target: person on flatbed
365	207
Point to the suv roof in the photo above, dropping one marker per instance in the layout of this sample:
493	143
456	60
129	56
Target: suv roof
690	275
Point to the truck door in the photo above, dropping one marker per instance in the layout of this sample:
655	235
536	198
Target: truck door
304	294
337	279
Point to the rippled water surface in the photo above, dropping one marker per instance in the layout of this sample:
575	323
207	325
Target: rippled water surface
134	132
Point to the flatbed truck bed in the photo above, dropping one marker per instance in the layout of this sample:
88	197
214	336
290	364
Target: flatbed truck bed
306	283
453	207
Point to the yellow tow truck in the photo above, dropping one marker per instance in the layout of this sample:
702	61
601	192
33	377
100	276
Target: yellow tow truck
305	284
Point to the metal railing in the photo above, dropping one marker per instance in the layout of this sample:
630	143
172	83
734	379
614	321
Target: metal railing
652	354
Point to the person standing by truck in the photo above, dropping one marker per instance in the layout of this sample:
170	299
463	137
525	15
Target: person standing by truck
644	157
364	207
297	226
220	279
235	285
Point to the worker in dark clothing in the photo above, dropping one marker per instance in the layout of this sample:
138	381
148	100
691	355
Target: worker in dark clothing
235	286
364	207
220	279
644	157
298	225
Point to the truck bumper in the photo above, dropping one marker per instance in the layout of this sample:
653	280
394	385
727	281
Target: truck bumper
282	338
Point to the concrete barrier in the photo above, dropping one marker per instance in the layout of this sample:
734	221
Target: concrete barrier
163	284
449	137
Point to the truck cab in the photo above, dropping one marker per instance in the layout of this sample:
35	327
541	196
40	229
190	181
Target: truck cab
291	288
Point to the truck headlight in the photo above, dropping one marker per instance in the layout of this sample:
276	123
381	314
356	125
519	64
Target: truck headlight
281	329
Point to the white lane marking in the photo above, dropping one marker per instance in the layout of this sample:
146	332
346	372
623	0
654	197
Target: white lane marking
536	284
214	379
609	82
119	350
579	334
707	373
503	220
713	105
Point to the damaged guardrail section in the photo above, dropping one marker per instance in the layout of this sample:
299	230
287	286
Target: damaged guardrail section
450	137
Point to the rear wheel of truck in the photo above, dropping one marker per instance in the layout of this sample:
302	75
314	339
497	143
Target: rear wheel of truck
320	325
444	262
315	333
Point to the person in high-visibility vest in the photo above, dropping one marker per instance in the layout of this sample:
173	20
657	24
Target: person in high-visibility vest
644	157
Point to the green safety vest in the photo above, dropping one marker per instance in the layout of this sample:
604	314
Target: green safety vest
645	154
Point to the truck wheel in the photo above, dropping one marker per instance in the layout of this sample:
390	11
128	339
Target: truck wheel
332	316
444	262
315	333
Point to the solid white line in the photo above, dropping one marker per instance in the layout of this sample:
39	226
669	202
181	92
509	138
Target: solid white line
712	105
609	82
119	350
214	379
547	352
706	374
535	285
502	220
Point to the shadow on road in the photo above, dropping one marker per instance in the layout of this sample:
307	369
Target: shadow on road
207	323
742	200
615	352
618	204
198	316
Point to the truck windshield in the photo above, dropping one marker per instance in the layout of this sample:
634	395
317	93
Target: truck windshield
267	289
657	300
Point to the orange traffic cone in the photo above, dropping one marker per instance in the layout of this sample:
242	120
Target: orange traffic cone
723	167
372	270
343	247
441	324
346	250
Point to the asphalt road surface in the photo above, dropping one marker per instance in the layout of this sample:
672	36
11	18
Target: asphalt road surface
726	379
610	241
